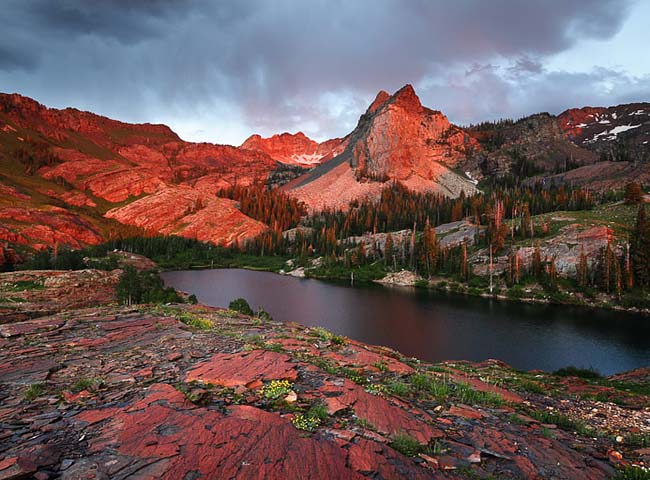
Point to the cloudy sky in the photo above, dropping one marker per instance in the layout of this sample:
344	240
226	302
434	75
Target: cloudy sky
220	70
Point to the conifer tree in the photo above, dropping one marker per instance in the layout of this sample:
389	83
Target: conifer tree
582	269
640	249
389	249
537	264
633	193
430	249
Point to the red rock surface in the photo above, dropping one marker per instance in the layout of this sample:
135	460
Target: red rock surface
54	290
184	211
46	227
386	417
230	370
295	149
96	157
574	120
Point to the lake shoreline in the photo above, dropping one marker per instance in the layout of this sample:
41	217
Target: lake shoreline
463	290
373	314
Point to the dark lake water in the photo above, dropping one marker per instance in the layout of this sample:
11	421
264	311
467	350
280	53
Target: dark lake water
434	326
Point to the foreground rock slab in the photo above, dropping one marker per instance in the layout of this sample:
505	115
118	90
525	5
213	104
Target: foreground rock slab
116	392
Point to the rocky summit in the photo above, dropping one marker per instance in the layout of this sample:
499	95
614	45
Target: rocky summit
397	139
94	390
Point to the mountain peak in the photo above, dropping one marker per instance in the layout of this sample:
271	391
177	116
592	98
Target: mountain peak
407	97
379	100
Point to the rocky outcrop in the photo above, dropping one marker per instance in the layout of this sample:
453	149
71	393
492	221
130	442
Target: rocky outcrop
602	176
564	249
32	294
121	392
46	227
295	149
397	139
536	143
404	278
456	233
184	211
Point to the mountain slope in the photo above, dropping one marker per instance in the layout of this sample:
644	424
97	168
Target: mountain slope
588	139
397	139
62	170
619	133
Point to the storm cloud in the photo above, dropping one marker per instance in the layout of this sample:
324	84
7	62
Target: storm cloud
220	71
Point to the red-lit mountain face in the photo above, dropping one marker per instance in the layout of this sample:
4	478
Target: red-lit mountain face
62	170
73	178
397	139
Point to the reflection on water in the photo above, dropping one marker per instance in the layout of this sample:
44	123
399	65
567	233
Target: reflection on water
434	326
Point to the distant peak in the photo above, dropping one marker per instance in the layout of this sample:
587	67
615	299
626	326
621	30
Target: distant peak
293	135
380	99
252	139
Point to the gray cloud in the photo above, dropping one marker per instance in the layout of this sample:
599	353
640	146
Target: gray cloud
286	65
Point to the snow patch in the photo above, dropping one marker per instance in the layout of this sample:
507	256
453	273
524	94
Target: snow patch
604	122
582	125
614	115
471	179
622	128
638	112
611	134
306	159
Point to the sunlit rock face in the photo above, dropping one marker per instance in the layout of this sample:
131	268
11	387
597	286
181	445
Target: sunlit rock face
187	212
397	139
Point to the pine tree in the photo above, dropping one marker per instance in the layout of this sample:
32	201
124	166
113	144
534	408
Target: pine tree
464	264
129	288
640	249
430	249
582	269
389	249
633	193
537	263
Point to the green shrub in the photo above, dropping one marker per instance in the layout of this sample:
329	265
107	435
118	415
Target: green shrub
431	385
241	305
639	440
572	371
563	422
399	388
421	283
478	282
305	422
34	391
137	287
466	394
263	314
407	445
515	292
88	384
533	387
632	473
